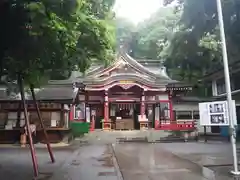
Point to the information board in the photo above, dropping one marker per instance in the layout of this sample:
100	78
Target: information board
216	113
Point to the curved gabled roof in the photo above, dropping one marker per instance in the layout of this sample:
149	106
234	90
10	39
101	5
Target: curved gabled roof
130	77
123	68
136	64
123	56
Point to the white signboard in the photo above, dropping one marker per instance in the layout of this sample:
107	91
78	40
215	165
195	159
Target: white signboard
142	118
216	113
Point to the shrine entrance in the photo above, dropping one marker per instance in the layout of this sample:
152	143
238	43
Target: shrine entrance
125	106
97	115
124	115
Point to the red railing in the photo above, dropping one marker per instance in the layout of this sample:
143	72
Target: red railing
175	125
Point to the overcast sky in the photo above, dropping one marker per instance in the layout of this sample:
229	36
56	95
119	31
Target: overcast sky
136	10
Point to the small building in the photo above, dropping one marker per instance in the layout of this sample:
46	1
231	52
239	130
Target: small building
187	108
54	104
215	87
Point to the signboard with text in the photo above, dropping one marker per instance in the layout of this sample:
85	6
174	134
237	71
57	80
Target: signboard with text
216	113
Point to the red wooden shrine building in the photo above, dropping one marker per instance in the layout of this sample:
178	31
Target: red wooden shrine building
129	94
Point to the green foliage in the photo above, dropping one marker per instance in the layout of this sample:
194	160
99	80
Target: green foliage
150	38
155	33
45	38
197	44
184	36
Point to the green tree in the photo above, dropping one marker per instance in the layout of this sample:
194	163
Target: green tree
155	33
55	36
149	39
41	38
197	42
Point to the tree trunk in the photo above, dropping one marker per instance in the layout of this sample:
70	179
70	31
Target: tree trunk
27	124
41	122
19	112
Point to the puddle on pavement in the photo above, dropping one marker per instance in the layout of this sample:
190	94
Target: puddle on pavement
106	158
206	159
75	163
107	174
107	161
208	173
44	176
214	171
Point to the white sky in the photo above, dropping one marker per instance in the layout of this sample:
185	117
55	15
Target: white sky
136	10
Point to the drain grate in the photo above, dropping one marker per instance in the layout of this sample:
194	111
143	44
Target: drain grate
138	139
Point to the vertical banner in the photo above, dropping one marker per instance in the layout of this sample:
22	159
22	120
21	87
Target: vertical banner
88	115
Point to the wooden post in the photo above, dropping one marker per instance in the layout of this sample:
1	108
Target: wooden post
19	113
92	123
205	133
42	124
29	132
23	139
186	135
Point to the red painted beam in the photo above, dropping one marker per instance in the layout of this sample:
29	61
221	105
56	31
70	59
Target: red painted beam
71	113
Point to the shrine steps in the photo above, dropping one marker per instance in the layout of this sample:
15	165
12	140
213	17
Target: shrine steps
175	139
108	137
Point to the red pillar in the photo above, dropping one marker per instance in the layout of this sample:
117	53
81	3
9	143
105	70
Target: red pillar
92	123
71	113
106	108
86	105
156	126
170	105
143	104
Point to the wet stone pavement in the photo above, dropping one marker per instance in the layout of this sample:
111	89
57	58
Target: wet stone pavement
215	158
146	162
169	162
128	161
15	163
87	162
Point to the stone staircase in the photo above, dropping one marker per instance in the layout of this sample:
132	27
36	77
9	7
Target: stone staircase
108	137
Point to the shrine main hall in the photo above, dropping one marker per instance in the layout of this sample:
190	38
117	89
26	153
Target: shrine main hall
129	94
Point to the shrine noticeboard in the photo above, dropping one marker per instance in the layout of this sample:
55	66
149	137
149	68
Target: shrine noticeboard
216	113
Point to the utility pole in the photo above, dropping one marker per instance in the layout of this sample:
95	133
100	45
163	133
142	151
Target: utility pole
228	89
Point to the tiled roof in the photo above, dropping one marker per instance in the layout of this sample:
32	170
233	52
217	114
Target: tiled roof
192	99
56	93
3	94
47	93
